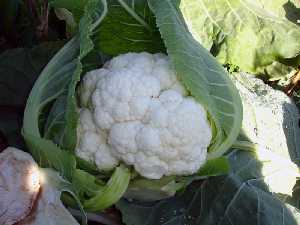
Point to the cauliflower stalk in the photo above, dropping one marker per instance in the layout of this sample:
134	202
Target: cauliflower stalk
134	110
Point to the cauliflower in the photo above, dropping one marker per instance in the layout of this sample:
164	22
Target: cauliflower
135	110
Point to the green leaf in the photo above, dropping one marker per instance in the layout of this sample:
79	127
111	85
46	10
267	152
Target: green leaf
241	197
54	126
60	78
215	167
76	7
292	11
86	184
250	34
95	10
201	74
113	191
87	166
47	154
152	190
129	26
52	83
67	16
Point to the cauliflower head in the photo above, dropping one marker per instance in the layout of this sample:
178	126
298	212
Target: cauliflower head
134	110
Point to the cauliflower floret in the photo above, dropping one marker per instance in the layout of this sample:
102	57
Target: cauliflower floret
92	144
89	85
140	114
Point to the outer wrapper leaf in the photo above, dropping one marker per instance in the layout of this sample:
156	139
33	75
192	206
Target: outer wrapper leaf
201	75
113	191
51	83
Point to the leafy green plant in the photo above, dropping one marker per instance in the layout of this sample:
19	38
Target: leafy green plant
54	92
242	166
256	36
